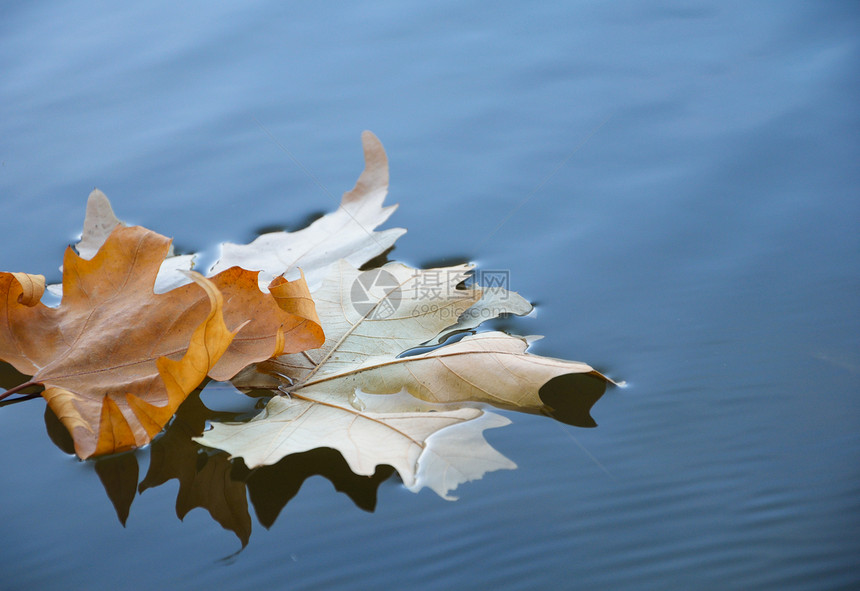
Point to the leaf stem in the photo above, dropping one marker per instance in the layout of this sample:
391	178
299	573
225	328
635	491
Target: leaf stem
18	388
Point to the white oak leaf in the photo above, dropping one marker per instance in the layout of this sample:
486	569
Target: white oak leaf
488	368
422	413
347	233
439	450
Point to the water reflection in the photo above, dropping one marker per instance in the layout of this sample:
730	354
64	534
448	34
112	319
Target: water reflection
211	480
303	222
569	398
205	478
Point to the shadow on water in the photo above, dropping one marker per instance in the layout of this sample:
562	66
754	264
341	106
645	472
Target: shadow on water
11	377
378	261
290	227
448	261
569	398
211	480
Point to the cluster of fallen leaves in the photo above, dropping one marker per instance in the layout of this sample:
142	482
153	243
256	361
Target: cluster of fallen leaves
137	331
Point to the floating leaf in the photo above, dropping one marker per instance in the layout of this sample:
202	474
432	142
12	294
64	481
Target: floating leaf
347	233
429	426
116	359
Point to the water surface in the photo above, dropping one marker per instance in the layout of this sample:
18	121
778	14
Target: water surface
674	184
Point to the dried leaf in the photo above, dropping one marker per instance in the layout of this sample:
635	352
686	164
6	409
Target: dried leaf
366	439
420	413
32	288
275	324
347	233
99	222
116	359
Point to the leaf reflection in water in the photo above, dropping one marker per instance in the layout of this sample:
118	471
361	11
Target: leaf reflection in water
213	481
221	486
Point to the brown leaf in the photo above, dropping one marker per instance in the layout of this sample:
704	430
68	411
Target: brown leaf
32	288
116	359
280	323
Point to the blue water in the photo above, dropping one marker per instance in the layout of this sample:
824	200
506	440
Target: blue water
675	184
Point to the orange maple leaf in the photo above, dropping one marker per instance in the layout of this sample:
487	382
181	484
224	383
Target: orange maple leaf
117	360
